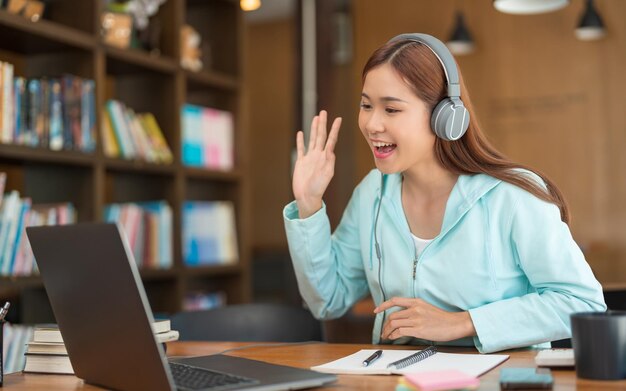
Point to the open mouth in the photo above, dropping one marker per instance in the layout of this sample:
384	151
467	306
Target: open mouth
383	149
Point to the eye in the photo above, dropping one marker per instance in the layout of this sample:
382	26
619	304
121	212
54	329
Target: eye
391	110
365	106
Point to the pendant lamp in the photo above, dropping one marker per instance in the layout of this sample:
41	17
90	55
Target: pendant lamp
460	42
249	5
590	27
526	7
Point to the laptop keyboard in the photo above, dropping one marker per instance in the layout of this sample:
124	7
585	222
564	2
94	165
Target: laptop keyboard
188	377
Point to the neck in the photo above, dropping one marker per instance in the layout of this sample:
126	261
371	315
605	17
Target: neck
428	181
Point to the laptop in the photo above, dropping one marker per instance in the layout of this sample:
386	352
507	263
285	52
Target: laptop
102	310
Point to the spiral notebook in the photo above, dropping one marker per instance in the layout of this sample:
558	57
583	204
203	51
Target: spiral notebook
471	364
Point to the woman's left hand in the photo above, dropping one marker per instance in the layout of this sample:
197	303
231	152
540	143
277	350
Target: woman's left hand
422	320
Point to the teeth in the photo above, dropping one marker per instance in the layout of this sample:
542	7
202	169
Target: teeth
379	144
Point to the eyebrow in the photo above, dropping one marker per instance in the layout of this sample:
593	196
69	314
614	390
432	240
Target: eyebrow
385	98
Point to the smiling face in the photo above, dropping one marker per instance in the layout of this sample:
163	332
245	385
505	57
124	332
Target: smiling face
395	122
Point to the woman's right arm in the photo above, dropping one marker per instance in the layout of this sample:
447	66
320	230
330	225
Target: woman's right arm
328	268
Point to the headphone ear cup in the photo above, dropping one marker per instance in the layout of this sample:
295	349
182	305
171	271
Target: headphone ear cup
450	119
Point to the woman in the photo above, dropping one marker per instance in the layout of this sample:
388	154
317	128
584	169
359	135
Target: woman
455	243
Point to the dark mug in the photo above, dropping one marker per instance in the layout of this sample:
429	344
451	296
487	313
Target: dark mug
599	342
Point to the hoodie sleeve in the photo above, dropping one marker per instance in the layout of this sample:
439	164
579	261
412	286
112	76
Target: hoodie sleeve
329	268
560	283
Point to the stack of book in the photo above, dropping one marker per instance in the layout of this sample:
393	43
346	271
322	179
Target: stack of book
131	135
46	352
148	229
16	213
209	233
208	137
54	113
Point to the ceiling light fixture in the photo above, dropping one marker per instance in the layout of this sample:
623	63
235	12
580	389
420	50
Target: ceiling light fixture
250	5
526	7
590	27
460	42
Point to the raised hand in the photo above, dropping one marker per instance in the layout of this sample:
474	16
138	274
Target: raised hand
314	167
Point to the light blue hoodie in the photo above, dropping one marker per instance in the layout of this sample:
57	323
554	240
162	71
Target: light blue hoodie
502	254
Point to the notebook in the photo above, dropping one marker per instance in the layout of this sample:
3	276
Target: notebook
102	311
471	364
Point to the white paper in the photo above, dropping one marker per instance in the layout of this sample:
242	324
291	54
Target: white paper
471	364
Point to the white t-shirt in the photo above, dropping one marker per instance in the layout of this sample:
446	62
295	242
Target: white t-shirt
420	244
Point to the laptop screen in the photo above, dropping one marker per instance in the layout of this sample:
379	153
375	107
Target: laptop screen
99	302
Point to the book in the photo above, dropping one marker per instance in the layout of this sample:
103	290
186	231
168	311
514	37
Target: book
47	333
14	346
207	137
161	326
471	364
3	181
46	348
168	336
148	229
50	333
48	363
209	233
52	357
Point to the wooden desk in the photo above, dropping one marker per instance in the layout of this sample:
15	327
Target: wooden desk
305	356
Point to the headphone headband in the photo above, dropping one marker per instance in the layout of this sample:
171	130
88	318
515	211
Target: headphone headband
449	119
442	53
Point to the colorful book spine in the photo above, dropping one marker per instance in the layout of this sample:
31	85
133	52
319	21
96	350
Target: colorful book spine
7	102
88	115
56	127
208	137
209	233
148	230
192	140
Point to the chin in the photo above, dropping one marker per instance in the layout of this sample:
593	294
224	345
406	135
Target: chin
386	169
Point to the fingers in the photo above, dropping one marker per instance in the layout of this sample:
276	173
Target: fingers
396	302
400	332
317	136
333	135
300	144
394	325
321	130
313	133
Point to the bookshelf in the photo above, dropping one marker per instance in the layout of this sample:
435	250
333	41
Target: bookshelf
60	43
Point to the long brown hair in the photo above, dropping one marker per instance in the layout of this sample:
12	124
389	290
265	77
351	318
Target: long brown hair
472	153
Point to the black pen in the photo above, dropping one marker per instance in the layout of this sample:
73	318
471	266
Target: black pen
372	358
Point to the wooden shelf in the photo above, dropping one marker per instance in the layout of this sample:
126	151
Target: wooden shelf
23	36
69	42
158	274
133	61
20	282
213	270
201	173
28	154
139	166
203	79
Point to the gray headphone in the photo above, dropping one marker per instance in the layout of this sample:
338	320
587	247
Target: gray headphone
450	119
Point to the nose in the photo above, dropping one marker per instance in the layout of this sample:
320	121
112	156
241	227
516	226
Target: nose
372	122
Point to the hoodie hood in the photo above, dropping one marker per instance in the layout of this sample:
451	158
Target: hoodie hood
468	190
